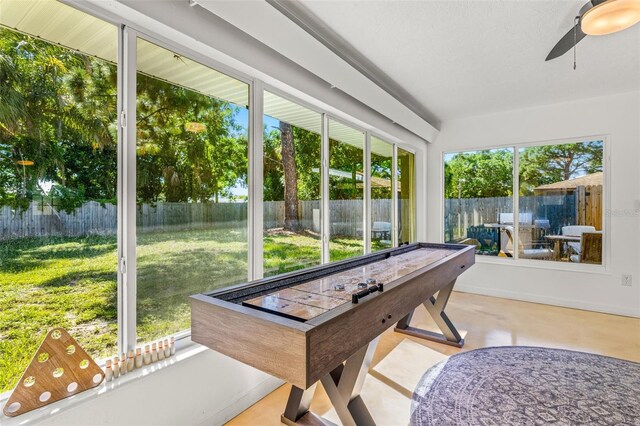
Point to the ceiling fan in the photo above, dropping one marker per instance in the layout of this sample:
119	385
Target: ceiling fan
598	17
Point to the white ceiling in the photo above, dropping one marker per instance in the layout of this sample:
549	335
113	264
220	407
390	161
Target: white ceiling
462	58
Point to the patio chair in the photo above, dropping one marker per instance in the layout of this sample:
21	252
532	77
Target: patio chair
590	249
576	230
526	252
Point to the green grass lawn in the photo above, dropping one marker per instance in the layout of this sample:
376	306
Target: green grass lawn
72	283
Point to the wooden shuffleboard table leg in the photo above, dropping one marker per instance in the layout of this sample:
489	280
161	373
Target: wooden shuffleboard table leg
343	386
435	306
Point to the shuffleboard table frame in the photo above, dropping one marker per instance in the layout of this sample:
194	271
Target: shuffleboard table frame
326	348
435	306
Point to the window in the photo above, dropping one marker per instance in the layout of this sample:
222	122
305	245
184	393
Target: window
192	156
291	186
478	204
560	195
406	196
381	194
58	181
559	202
346	191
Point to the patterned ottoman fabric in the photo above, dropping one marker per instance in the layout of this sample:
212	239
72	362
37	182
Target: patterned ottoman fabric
528	386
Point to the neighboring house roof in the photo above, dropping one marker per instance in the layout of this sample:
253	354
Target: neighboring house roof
378	182
594	179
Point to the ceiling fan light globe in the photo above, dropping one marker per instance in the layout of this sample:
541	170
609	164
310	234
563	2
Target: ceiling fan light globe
610	16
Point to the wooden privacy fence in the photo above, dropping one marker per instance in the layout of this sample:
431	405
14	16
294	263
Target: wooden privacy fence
93	218
589	210
582	207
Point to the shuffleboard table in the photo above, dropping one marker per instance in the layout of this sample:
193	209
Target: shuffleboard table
323	323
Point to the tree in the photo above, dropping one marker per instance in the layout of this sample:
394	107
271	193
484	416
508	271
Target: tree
489	173
56	108
290	177
189	147
350	159
540	165
306	148
58	124
381	167
479	174
273	176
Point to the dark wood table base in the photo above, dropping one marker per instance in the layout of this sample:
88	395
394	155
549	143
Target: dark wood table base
344	383
343	386
435	306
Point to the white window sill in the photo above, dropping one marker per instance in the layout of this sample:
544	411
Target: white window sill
185	349
544	264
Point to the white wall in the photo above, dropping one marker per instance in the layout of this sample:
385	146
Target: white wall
200	387
617	116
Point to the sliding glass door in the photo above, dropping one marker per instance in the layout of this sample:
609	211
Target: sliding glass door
346	191
291	186
382	179
406	176
191	186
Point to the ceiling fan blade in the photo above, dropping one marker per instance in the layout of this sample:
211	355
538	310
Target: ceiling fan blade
570	39
567	42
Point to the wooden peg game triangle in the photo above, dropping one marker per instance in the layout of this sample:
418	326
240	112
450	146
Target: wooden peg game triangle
60	368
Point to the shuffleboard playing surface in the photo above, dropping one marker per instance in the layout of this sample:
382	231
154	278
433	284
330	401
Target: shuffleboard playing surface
308	300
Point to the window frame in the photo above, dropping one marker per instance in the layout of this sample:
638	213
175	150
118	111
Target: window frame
604	268
415	187
259	232
394	183
366	193
127	160
393	189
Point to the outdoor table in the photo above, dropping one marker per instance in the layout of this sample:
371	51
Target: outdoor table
558	240
504	225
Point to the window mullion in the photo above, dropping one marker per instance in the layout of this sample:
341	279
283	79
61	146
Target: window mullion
256	153
394	197
516	203
127	176
120	197
324	187
367	194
